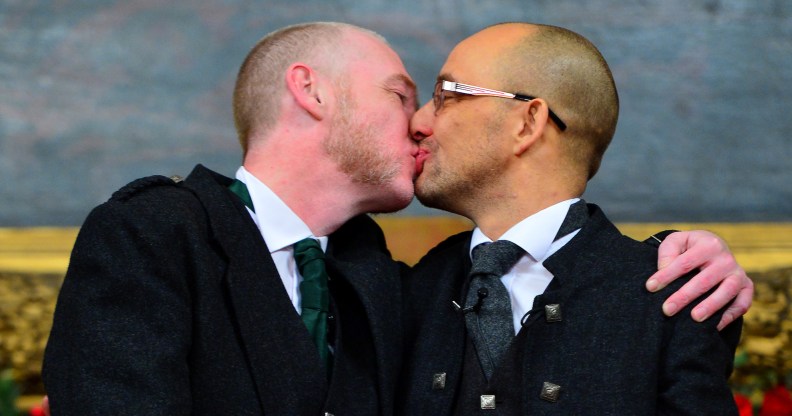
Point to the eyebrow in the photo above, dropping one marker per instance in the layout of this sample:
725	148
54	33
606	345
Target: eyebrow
406	81
445	77
401	79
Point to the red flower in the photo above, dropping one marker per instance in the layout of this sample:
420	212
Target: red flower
743	405
777	402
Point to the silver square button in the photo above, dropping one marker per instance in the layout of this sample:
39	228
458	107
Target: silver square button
487	401
438	381
550	392
553	312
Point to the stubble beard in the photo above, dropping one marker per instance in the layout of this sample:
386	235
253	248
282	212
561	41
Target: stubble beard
457	187
452	189
357	149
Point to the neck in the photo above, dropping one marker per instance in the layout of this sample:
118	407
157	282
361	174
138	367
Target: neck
324	199
536	179
498	211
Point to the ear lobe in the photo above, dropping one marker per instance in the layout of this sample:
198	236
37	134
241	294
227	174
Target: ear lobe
303	84
533	122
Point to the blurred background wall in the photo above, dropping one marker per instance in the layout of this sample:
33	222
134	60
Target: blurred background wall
95	93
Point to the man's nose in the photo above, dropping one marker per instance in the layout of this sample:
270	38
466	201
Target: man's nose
421	122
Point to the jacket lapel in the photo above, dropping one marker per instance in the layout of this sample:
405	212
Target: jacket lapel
375	282
283	362
441	341
570	266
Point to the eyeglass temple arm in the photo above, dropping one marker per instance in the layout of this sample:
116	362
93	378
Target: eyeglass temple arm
474	90
561	125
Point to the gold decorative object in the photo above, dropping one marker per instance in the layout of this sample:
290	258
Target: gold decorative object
27	302
764	356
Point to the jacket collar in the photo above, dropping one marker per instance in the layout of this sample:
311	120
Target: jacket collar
259	300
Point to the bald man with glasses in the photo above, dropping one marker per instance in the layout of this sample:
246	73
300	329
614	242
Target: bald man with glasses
542	309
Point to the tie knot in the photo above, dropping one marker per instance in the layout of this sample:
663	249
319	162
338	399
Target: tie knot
495	258
310	261
306	250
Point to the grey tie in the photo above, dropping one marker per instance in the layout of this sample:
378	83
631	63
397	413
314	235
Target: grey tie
491	327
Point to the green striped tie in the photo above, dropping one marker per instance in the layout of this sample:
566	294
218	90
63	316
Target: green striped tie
313	290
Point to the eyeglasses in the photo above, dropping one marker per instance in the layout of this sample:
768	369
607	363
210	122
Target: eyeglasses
438	97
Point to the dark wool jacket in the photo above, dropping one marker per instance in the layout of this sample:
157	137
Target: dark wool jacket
172	305
612	353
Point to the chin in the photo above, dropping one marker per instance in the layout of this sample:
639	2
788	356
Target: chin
432	199
396	199
424	193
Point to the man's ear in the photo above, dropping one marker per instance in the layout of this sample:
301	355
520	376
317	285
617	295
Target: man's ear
304	86
532	124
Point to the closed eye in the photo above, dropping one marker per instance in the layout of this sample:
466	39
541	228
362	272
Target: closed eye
402	97
408	100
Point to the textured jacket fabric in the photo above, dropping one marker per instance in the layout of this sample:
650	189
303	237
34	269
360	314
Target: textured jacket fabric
172	305
612	352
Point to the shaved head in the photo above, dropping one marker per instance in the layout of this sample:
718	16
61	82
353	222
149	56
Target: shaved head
568	71
261	79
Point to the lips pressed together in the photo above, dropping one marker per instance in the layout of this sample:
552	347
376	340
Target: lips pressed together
420	158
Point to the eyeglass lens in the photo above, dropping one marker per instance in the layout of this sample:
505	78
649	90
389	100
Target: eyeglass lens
438	96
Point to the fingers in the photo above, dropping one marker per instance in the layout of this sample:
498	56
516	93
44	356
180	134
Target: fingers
682	252
672	246
696	287
723	271
740	305
680	265
722	296
736	284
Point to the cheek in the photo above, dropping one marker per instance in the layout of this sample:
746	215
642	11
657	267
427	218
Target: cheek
461	141
390	119
453	133
402	120
397	127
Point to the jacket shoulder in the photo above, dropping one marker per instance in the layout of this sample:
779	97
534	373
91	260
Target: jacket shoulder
448	248
153	199
359	234
141	185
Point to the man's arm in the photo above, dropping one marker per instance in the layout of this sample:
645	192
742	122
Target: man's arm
684	251
121	330
695	367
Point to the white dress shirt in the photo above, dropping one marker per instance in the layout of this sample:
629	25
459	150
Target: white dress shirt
281	228
535	234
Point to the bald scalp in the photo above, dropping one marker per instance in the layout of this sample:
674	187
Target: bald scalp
261	82
569	72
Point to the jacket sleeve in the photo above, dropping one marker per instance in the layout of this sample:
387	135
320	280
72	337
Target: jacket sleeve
697	363
122	326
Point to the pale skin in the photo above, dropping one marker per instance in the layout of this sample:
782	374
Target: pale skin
385	99
673	260
329	197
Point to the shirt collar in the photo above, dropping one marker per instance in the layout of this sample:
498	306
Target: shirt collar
278	224
534	234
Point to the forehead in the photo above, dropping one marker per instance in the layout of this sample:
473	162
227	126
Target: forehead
476	59
370	76
371	53
467	65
